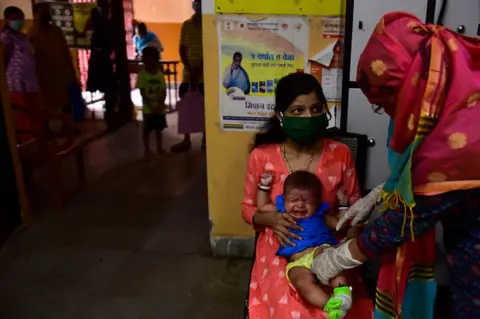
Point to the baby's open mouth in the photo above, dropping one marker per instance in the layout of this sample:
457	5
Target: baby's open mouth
299	213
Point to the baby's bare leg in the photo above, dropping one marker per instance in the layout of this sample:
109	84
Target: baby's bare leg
338	281
307	286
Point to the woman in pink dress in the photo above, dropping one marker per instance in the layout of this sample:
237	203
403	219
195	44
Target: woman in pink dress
293	141
21	76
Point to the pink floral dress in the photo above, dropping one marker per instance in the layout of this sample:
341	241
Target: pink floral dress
271	295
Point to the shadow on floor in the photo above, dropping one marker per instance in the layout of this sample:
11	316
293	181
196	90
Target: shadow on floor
133	245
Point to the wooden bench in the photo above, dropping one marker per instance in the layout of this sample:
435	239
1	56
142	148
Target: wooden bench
48	147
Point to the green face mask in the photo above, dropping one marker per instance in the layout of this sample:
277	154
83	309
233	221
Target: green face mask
304	130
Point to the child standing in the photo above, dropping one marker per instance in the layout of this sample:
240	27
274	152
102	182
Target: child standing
151	82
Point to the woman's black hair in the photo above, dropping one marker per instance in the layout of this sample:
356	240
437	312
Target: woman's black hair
40	6
288	89
43	9
141	26
10	11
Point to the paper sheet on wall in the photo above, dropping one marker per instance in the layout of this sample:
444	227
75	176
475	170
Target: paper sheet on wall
62	16
333	27
325	56
82	18
332	83
253	56
327	67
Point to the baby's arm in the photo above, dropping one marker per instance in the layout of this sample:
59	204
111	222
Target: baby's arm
331	221
263	195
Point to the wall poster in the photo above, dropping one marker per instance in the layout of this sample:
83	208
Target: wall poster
82	21
75	20
254	55
62	16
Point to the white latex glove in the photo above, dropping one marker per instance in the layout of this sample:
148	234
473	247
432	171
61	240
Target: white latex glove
332	261
361	209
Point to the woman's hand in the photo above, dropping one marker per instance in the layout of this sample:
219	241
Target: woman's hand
280	227
280	223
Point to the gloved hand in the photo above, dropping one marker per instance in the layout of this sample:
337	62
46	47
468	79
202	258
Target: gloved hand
332	261
361	209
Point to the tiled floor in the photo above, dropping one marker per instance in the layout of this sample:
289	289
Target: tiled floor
133	245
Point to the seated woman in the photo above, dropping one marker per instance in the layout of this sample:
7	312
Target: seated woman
144	38
293	141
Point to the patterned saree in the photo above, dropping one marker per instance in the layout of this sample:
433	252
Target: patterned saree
427	79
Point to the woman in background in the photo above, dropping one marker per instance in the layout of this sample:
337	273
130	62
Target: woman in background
54	66
101	75
21	75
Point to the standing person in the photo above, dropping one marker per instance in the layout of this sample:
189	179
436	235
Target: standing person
427	80
191	55
151	83
20	68
54	66
235	75
101	76
293	141
144	38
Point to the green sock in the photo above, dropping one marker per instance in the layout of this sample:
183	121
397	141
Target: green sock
339	304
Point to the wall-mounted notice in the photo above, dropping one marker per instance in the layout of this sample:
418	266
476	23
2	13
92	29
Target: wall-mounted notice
333	27
82	17
254	55
327	67
62	16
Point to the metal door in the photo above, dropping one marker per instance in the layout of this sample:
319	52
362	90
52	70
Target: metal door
367	13
362	119
461	15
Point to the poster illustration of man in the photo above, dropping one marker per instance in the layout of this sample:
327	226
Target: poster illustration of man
235	75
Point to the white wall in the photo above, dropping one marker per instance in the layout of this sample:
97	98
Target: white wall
162	11
208	6
25	5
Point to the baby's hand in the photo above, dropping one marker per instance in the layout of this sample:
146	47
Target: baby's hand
342	198
266	179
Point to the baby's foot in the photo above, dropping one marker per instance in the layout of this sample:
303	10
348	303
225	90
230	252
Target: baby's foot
339	304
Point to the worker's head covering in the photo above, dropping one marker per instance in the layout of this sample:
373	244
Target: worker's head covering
427	78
